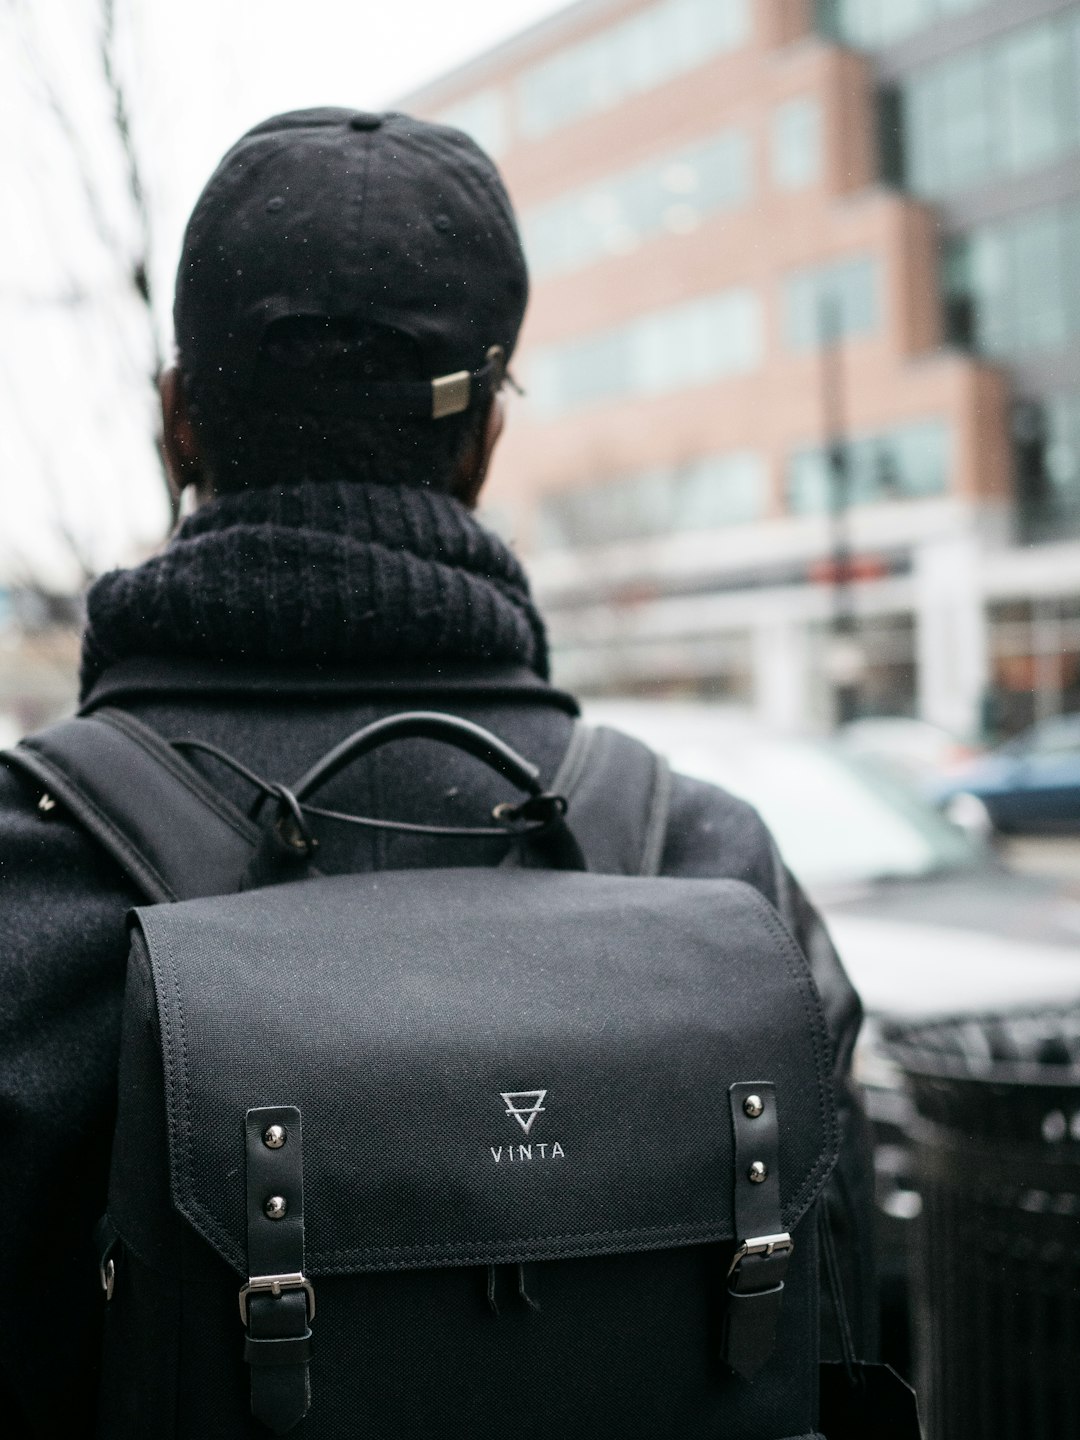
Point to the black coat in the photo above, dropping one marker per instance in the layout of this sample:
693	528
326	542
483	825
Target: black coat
63	948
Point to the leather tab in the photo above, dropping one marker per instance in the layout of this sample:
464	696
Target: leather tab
757	1141
294	1351
277	1301
759	1266
750	1329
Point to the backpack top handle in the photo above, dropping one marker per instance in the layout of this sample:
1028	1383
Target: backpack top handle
425	725
551	844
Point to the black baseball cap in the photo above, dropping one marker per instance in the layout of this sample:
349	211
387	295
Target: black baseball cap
346	215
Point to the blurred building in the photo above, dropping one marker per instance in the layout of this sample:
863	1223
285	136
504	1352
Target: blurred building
39	659
709	189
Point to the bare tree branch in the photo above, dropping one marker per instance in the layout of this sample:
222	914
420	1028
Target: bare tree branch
141	265
133	263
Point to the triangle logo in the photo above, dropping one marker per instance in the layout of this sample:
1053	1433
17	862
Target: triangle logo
524	1105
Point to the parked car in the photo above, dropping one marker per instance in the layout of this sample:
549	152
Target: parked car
1029	785
915	749
928	919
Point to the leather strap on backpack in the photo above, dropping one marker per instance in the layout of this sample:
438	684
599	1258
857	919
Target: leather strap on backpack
763	1248
278	1302
171	832
618	792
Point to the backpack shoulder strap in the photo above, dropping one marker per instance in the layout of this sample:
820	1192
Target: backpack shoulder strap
618	792
171	833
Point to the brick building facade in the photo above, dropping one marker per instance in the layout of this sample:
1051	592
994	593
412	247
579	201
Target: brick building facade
751	231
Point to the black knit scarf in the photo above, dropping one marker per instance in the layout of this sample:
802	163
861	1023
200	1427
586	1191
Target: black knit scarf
346	572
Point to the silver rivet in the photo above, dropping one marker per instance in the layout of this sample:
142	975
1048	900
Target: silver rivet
757	1173
274	1136
46	803
275	1208
753	1106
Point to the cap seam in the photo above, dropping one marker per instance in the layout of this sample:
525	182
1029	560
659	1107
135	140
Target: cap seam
365	182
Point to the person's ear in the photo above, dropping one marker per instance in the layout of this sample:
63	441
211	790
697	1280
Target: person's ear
178	441
473	467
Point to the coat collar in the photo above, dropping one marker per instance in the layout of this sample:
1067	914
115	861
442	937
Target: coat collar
181	677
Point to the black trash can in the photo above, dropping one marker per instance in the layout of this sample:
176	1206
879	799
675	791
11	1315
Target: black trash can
995	1280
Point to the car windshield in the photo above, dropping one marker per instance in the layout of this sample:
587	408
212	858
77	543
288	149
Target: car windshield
837	820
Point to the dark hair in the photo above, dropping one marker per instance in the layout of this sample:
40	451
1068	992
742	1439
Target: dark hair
248	440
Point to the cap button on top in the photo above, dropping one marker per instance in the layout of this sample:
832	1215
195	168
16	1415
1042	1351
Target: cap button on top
364	120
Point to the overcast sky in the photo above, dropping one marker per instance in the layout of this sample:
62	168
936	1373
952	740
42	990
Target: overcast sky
75	420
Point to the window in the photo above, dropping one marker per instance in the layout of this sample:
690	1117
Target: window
689	344
634	55
872	24
704	494
483	116
837	299
1035	663
1063	450
796	144
673	192
1013	286
999	109
904	463
1046	467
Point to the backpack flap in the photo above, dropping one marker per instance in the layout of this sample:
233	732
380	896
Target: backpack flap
491	1066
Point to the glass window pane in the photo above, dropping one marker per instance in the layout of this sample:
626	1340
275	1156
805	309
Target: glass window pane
1063	450
862	468
796	143
897	19
723	24
801	312
1008	105
1023	281
1025	78
808	483
844	294
920	105
905	462
483	116
690	344
708	493
673	192
993	291
1069	216
633	55
964	134
856	288
636	53
919	459
871	24
719	490
1039	280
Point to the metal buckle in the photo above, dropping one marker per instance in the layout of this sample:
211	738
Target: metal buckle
450	394
761	1245
274	1285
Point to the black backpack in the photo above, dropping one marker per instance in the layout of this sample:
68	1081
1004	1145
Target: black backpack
530	1151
